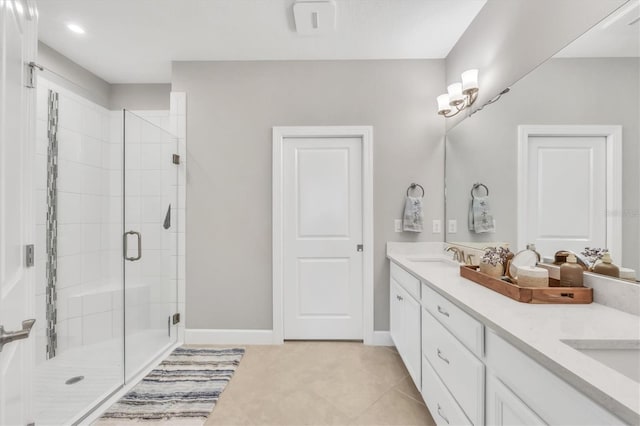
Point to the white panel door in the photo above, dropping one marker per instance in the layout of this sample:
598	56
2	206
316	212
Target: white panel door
566	194
16	226
322	229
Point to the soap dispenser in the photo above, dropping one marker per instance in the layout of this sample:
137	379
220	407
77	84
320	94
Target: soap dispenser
571	274
606	267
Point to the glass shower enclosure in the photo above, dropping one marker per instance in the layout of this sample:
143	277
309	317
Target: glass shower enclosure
149	241
106	251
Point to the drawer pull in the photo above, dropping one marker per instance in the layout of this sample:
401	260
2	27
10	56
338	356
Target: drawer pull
399	297
442	311
442	415
442	356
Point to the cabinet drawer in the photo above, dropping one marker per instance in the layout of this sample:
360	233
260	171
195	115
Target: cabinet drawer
406	280
443	407
462	325
460	371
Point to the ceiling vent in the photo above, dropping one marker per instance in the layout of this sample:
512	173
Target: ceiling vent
314	17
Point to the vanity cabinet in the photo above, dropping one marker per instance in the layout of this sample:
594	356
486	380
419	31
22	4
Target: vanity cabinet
469	375
405	320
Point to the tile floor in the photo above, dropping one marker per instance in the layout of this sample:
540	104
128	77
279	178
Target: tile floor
320	383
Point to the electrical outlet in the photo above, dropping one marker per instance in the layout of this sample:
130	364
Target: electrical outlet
397	225
453	226
436	226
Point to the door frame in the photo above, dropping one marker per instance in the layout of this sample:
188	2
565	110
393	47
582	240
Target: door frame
613	141
280	133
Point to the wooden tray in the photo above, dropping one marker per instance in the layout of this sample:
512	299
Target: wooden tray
552	294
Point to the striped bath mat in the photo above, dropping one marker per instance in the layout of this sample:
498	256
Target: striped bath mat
183	389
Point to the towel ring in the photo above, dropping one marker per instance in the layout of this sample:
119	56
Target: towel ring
414	186
479	185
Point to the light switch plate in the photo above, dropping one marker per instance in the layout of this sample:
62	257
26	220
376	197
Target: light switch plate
397	225
436	226
453	226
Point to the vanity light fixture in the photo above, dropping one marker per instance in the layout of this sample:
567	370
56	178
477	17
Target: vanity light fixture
459	95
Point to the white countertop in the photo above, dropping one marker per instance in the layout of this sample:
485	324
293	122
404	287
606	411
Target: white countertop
537	329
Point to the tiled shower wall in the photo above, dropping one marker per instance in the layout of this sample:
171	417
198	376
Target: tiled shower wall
85	215
89	305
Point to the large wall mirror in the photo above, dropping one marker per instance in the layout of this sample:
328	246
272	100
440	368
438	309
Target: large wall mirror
559	154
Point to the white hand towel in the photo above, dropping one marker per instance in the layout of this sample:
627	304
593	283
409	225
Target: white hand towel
482	218
413	217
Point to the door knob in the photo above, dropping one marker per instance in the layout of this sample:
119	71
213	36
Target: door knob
8	337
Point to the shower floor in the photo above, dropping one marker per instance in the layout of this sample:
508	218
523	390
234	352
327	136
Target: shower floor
101	364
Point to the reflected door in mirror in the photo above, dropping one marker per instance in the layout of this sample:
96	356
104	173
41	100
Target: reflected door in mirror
566	200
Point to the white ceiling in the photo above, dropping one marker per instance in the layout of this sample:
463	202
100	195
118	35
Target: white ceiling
618	35
134	41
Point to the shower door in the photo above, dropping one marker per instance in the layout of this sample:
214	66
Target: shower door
149	241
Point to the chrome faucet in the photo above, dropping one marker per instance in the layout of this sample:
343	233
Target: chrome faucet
458	254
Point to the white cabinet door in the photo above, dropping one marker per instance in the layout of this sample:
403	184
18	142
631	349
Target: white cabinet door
405	329
396	315
412	341
551	398
505	408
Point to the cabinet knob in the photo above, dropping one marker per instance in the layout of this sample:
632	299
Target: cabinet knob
399	297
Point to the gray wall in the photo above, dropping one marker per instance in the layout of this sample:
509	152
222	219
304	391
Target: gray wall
561	91
509	38
140	96
231	108
68	74
61	70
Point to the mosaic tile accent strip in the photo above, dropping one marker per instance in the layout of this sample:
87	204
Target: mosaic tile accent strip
52	224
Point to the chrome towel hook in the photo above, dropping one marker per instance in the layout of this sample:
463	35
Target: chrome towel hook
413	186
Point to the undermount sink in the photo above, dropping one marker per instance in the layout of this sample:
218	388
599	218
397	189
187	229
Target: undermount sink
620	355
440	260
424	259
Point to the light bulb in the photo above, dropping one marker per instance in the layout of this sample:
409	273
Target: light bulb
470	82
443	104
455	94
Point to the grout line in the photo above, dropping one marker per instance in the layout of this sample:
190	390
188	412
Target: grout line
411	397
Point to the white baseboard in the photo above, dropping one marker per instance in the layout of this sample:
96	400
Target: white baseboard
198	336
382	338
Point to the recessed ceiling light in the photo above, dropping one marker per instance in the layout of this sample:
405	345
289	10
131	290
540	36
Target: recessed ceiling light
76	28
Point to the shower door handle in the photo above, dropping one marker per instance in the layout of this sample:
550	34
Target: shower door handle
125	244
8	337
